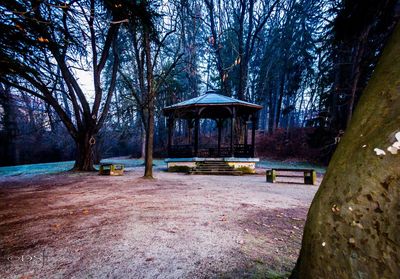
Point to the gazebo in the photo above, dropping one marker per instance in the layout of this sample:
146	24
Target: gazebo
222	109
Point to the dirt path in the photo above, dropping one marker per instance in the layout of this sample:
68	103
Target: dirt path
176	226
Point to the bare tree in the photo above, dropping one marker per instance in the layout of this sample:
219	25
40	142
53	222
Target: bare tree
151	71
45	47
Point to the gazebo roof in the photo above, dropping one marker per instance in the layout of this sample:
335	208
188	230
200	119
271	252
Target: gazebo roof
211	99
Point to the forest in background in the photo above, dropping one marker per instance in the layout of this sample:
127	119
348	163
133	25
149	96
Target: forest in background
305	61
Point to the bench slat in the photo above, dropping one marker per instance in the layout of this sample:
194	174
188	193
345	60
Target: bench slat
283	175
294	170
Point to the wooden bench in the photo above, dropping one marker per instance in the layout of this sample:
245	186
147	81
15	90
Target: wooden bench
310	176
111	169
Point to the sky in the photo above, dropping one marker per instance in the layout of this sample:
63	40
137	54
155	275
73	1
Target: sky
85	80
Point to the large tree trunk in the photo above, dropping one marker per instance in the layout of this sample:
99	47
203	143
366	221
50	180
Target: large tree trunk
281	91
143	142
148	168
271	112
243	77
10	126
353	225
84	153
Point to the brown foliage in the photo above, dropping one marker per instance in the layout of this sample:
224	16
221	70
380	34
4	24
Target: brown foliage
297	143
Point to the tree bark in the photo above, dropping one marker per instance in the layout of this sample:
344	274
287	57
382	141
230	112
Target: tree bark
271	112
352	228
142	142
242	55
10	127
148	170
84	152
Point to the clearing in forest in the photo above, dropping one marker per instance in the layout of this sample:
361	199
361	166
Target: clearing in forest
78	225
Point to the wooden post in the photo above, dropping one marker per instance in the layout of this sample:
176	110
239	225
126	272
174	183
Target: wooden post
245	131
310	177
253	133
232	131
271	176
196	135
170	124
190	126
219	125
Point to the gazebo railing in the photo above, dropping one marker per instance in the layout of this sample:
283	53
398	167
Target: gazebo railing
188	151
181	151
244	150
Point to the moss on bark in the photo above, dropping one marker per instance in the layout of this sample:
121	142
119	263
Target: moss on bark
353	225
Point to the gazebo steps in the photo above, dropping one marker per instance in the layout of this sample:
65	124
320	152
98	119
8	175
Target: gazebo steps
224	167
215	168
215	172
219	163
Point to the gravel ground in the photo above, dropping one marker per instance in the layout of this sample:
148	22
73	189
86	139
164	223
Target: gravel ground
75	225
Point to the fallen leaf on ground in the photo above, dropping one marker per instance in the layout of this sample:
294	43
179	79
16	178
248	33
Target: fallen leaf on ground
27	276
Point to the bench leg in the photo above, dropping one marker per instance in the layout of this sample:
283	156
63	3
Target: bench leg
310	177
271	176
105	170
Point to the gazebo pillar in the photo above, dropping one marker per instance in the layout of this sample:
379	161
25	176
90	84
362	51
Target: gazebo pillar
190	126
170	124
219	125
196	135
253	133
232	131
245	131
